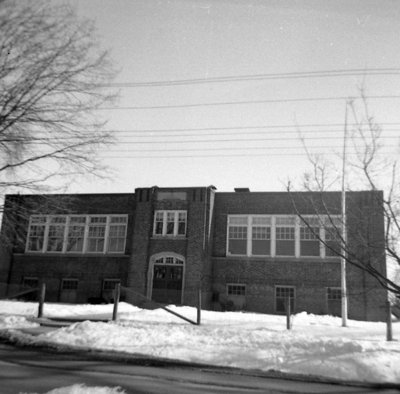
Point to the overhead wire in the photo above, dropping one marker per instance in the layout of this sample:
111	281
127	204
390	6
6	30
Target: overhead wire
257	77
244	102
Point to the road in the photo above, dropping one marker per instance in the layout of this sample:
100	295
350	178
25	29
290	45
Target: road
36	371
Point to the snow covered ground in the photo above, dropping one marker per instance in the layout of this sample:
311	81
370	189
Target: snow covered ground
317	345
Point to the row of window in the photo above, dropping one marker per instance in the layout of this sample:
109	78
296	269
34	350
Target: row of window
282	294
266	235
69	283
247	235
77	233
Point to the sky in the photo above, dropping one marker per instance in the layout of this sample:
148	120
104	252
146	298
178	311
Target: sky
215	92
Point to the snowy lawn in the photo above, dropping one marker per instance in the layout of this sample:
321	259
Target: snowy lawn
317	345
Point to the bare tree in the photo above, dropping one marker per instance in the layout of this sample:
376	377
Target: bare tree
53	78
368	169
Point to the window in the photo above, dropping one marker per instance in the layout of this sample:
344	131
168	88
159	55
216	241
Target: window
97	233
170	223
309	233
109	284
334	294
285	235
56	233
236	289
36	233
261	236
334	301
117	234
169	260
237	235
333	234
30	282
77	234
172	195
69	284
282	294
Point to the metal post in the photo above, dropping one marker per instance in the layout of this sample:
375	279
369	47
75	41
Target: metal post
117	294
344	232
42	295
389	331
199	307
288	325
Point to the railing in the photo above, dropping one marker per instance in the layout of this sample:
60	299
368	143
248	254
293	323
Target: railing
42	295
117	293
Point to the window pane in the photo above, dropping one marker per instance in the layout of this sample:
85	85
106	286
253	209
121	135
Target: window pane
77	219
116	245
238	220
237	246
118	219
95	245
264	220
285	220
38	219
58	219
98	219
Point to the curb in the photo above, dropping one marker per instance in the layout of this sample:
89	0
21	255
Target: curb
138	359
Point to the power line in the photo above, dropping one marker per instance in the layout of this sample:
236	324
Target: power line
250	148
218	133
270	101
234	140
278	138
257	77
249	127
213	156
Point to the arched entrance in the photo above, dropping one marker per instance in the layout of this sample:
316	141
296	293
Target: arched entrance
166	273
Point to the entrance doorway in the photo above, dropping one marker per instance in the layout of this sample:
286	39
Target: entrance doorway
167	280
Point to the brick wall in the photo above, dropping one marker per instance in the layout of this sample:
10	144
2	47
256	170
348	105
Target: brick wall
90	270
310	277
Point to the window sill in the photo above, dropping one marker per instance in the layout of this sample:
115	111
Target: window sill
279	258
73	254
181	237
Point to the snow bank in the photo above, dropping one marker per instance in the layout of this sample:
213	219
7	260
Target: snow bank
317	345
82	389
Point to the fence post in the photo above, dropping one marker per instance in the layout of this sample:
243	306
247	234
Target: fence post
199	307
288	325
42	295
389	331
117	294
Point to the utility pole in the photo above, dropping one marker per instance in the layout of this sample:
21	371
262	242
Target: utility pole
344	230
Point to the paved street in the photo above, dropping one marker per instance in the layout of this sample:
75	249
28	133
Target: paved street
31	370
